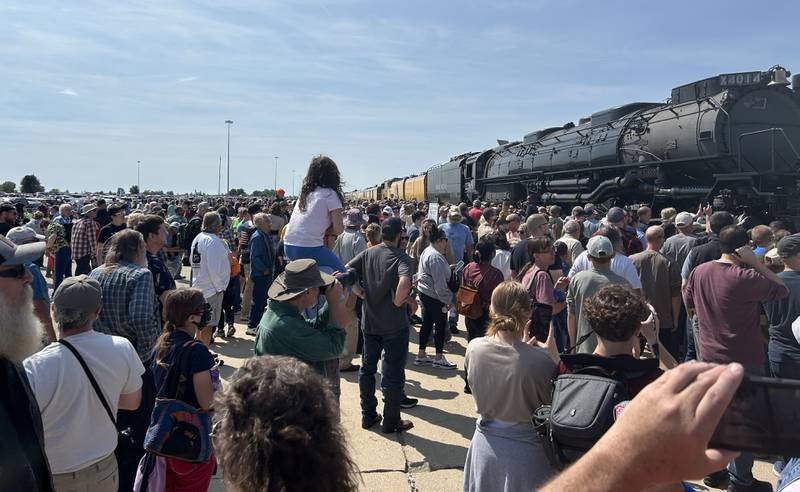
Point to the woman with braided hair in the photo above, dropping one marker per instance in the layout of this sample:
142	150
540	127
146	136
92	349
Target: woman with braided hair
510	376
279	431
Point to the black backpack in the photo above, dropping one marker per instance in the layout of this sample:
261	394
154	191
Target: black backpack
193	228
582	410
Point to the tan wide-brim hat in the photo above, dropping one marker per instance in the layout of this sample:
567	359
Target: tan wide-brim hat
299	276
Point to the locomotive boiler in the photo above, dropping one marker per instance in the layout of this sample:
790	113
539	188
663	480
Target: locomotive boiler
731	140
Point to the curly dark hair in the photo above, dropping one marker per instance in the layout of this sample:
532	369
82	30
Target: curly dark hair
615	312
322	172
279	431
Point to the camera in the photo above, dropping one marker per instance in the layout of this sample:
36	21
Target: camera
348	278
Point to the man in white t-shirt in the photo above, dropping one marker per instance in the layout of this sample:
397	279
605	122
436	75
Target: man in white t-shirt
211	269
79	436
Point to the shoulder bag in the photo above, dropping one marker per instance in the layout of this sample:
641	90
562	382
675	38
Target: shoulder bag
125	436
179	430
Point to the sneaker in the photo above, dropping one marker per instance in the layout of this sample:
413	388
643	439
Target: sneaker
350	368
443	364
407	402
231	331
416	320
251	331
402	425
755	486
419	361
219	332
717	480
454	329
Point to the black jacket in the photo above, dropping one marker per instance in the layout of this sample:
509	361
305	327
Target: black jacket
23	464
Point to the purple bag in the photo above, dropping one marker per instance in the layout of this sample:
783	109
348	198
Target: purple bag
151	474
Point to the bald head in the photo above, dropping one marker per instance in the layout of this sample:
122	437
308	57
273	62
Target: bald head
655	237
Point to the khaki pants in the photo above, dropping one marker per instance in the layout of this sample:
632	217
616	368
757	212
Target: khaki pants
247	296
351	333
99	477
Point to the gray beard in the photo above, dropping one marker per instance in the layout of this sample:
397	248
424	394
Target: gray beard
20	329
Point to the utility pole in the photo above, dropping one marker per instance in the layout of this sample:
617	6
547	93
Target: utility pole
275	187
139	175
228	182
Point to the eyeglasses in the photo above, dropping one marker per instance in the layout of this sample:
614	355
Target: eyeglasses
16	271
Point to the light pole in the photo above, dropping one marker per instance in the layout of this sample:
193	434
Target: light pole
275	186
228	182
292	182
219	177
138	176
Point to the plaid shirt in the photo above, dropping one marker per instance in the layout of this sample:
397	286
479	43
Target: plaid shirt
129	306
84	238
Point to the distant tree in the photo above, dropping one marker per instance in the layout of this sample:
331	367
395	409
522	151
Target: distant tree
30	184
170	193
8	187
237	192
54	191
133	190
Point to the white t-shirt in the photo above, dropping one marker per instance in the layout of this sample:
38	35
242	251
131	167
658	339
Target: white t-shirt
77	430
502	261
306	229
620	264
211	264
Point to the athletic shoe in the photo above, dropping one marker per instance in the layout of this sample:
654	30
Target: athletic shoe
443	364
231	331
350	368
454	329
407	402
717	480
251	331
423	361
416	320
755	486
402	425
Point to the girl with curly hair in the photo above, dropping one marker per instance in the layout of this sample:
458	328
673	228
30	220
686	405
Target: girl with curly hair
279	431
318	207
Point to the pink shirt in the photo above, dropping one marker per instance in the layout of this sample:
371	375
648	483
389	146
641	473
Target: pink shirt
541	287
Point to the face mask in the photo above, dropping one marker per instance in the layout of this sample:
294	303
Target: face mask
205	318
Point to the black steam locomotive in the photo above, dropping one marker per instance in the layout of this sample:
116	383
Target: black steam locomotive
731	140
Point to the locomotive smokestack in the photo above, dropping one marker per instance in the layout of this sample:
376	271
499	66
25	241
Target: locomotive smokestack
796	83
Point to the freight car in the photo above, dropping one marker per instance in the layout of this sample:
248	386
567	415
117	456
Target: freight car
731	140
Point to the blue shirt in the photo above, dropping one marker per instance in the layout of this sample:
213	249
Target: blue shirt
38	284
783	345
459	237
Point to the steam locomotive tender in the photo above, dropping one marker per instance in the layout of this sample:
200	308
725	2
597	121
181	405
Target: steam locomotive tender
731	140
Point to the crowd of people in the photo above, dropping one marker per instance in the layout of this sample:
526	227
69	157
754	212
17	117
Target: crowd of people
96	368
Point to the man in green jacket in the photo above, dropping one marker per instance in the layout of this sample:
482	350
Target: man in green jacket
284	331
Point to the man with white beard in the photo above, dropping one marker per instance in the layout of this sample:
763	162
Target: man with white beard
23	464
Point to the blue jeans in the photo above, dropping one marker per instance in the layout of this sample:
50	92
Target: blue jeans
691	349
741	468
260	286
322	255
63	266
393	375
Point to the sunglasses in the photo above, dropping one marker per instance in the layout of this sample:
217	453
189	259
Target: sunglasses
16	271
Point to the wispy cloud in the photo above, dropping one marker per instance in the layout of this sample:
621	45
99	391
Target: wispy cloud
69	92
186	79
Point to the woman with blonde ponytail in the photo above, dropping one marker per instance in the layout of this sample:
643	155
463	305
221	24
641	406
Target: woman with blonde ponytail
510	377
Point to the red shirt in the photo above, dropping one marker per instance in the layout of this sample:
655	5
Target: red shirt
484	277
727	299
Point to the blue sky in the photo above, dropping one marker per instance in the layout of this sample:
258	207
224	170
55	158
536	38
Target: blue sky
385	88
